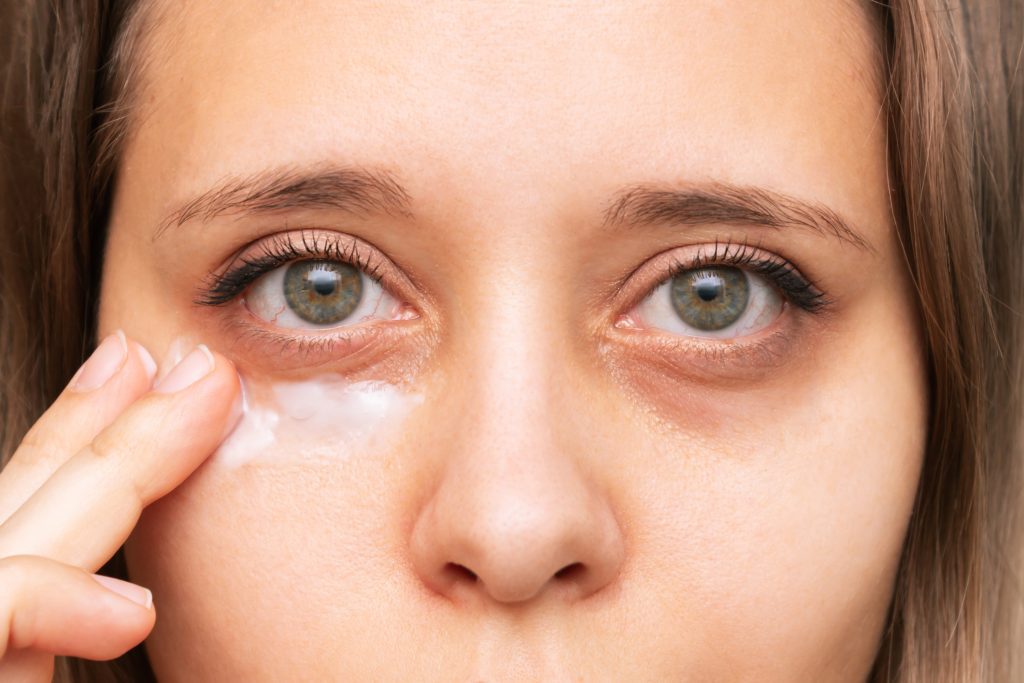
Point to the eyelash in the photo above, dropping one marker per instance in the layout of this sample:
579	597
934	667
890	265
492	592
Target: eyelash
778	270
280	250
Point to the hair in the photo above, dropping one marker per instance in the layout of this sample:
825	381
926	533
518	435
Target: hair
954	102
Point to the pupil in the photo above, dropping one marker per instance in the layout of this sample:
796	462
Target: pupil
324	283
709	291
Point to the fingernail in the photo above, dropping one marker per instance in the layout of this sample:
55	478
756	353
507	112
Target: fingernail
147	361
192	368
102	364
137	594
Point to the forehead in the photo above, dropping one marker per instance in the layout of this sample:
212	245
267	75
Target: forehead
543	95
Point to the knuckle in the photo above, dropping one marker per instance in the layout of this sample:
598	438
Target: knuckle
48	431
39	443
108	454
17	627
11	575
103	449
44	444
15	571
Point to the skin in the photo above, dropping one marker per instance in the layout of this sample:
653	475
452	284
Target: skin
727	509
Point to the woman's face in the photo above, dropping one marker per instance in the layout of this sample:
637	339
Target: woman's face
639	393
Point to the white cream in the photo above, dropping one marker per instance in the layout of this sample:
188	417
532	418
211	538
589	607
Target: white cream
323	417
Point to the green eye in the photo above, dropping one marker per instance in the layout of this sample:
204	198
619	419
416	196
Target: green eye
322	292
710	298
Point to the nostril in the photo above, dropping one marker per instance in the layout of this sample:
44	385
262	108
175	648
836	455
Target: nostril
571	572
457	572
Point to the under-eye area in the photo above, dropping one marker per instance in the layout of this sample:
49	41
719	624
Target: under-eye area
311	294
722	304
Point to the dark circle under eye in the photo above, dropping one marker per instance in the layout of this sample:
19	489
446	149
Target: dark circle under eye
322	292
710	298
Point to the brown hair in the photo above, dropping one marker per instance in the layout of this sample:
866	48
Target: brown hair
955	128
954	98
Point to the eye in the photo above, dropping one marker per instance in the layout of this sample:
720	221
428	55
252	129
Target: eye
717	302
319	293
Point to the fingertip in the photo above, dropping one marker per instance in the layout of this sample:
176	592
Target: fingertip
119	333
223	364
196	366
148	363
105	362
60	609
127	615
137	594
209	354
218	359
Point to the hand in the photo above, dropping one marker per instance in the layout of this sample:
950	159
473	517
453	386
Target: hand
109	445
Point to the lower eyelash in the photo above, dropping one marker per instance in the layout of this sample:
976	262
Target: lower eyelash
778	270
309	346
758	354
275	252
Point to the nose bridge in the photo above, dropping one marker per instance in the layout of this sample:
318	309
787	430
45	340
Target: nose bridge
516	371
511	461
511	337
514	512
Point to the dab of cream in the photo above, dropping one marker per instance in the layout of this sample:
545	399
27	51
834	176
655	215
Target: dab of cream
324	417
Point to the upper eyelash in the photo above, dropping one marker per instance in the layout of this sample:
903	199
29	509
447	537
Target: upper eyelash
278	250
779	270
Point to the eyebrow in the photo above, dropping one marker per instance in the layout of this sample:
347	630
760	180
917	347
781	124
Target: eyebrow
352	189
649	205
361	190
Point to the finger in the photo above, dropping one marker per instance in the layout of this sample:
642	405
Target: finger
86	510
115	375
26	666
46	606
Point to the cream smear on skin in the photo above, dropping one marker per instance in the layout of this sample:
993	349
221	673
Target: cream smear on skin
322	417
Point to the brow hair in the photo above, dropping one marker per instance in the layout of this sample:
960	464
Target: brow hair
362	191
646	204
352	189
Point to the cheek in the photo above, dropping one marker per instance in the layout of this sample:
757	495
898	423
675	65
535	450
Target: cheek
778	514
246	556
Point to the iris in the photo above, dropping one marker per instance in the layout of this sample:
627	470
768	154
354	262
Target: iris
710	298
322	292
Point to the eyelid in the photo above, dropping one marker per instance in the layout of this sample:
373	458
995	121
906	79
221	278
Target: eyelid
228	282
351	349
653	272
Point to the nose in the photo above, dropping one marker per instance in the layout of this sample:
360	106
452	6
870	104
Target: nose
517	512
512	534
